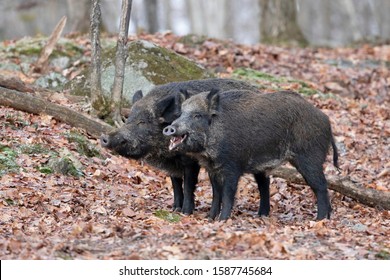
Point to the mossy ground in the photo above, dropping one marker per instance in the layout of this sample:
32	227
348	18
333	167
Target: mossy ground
84	147
167	216
32	47
8	160
269	82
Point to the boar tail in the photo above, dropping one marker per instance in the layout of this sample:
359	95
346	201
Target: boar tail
335	154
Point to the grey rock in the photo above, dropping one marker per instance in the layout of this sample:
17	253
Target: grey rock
147	65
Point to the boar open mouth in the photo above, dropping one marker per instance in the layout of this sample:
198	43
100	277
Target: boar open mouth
176	141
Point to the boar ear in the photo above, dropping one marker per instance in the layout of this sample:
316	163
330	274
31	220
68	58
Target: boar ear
137	96
165	109
184	94
180	98
213	101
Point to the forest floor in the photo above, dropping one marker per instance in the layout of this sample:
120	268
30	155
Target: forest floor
109	207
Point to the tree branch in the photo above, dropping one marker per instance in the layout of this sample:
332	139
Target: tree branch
42	62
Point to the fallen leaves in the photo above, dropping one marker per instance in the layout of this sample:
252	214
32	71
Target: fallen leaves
121	209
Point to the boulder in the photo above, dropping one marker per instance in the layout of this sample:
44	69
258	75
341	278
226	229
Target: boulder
147	65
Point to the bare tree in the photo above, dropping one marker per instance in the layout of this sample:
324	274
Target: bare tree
120	60
98	102
279	22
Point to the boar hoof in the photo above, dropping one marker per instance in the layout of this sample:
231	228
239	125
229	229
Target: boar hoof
188	209
322	217
187	212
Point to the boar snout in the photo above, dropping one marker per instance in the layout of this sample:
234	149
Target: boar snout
169	130
113	141
105	140
176	139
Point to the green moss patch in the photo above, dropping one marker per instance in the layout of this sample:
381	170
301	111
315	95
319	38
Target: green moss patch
8	160
268	82
167	216
84	147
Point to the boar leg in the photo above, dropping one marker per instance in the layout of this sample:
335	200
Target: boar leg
217	196
263	185
230	181
190	179
311	170
177	183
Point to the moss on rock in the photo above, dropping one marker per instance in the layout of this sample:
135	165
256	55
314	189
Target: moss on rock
147	65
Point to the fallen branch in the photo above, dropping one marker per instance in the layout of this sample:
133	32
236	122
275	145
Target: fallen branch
42	62
37	105
344	186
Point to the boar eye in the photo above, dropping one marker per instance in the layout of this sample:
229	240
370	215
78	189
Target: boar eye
141	122
197	116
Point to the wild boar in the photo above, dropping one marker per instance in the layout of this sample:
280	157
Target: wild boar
141	137
236	132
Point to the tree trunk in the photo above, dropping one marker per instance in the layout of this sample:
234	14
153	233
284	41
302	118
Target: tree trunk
120	60
98	102
78	15
195	10
216	22
151	15
167	18
351	11
279	23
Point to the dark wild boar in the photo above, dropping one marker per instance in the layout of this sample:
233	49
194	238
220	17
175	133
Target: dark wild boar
141	137
236	132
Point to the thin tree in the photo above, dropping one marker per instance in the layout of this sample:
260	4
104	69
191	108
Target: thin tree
120	59
98	102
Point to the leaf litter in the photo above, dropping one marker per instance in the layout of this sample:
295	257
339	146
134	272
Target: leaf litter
121	209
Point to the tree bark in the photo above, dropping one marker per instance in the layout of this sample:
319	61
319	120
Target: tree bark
279	23
120	60
29	103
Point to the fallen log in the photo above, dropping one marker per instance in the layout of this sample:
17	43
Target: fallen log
344	186
37	105
33	104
